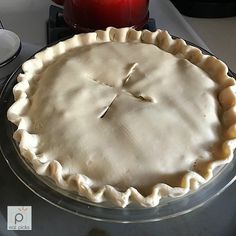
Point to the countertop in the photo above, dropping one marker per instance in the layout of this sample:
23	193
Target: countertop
219	34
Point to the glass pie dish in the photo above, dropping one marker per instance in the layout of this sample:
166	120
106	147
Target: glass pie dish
73	203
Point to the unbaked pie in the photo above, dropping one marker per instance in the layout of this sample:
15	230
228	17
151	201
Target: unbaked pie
125	116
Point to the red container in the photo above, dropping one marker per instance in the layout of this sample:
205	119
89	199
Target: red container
90	15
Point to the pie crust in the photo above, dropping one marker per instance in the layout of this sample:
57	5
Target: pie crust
175	105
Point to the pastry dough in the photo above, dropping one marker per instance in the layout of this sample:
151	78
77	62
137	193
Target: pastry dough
125	116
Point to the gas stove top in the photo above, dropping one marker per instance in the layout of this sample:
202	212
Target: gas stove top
57	29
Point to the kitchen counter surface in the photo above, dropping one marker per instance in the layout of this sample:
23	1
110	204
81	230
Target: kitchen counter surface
219	34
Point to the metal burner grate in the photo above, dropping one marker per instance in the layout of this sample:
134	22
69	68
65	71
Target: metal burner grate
57	28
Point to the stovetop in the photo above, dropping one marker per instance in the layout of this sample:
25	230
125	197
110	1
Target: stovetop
57	29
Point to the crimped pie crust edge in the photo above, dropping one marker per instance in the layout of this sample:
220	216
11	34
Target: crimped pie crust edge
215	68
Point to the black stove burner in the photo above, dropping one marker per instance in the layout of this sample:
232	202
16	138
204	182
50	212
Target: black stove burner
57	28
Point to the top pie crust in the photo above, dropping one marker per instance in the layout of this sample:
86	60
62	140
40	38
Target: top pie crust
125	116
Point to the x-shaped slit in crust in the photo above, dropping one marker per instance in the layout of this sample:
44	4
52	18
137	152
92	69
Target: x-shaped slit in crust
142	98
